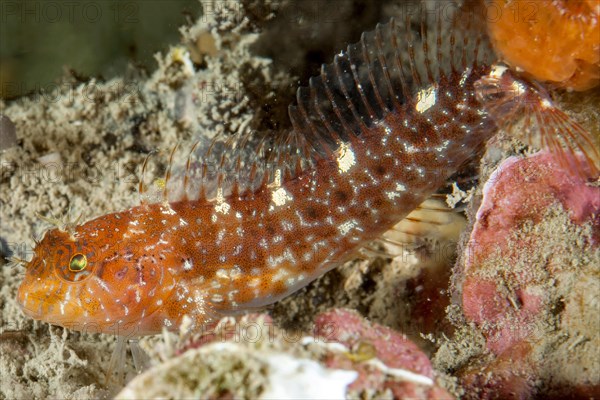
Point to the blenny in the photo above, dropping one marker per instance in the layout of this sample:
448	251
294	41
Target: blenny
248	222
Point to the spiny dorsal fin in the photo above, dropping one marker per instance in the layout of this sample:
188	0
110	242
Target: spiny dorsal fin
216	168
383	72
378	75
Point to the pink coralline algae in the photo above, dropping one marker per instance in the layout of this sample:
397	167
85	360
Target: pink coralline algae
533	245
520	191
380	355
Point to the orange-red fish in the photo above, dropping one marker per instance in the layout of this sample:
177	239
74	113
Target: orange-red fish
375	134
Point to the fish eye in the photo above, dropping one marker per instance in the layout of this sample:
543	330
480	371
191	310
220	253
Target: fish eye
78	262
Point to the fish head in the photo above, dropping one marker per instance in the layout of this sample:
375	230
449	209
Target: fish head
95	278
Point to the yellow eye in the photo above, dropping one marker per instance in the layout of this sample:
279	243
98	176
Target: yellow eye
78	263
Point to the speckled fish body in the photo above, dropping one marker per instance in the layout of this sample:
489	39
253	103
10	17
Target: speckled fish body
385	131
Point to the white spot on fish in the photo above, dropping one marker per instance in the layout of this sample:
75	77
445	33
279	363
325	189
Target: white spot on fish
280	196
217	298
222	273
280	274
290	281
409	148
464	76
276	261
277	238
498	70
222	208
102	284
166	209
254	282
444	145
347	226
545	103
426	98
345	157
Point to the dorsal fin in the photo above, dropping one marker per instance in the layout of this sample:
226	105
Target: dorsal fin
216	168
380	74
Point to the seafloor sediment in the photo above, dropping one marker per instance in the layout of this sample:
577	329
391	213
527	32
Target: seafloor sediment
81	151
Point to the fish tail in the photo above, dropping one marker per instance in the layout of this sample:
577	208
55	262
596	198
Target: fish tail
512	100
566	138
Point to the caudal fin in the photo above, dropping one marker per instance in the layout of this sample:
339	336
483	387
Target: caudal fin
515	102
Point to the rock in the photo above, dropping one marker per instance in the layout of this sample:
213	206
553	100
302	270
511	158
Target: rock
233	370
529	265
382	357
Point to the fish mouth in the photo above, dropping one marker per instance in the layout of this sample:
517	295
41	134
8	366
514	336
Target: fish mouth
32	306
50	317
24	301
33	312
30	312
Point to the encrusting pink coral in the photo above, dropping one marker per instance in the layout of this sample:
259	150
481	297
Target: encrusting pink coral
520	191
534	243
380	355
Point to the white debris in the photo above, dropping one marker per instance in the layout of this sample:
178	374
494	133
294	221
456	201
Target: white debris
297	378
286	377
401	374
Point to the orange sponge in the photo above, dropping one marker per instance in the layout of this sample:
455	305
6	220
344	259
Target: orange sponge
555	41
